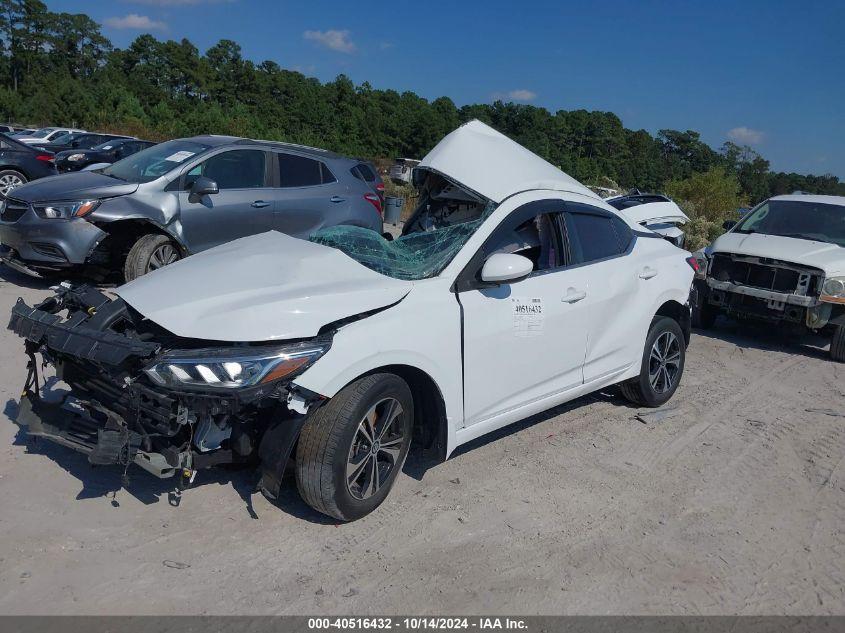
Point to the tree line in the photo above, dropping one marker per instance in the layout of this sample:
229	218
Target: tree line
59	68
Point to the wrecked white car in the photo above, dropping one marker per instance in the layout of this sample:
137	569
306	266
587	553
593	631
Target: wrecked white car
514	289
655	212
784	263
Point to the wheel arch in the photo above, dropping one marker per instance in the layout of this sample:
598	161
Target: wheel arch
121	234
430	430
678	312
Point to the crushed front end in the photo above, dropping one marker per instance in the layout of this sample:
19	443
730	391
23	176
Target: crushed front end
139	394
769	289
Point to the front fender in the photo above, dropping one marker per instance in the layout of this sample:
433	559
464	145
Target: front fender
159	209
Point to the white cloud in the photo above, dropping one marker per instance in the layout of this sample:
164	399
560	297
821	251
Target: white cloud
520	94
135	22
335	40
746	135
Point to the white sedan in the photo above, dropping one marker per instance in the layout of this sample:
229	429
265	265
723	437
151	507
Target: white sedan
513	289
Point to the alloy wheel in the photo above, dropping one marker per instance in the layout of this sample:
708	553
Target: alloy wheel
162	256
664	363
375	450
9	182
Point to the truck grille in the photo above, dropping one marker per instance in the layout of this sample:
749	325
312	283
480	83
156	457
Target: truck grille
765	274
13	211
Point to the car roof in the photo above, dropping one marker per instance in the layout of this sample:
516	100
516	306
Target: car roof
215	140
812	199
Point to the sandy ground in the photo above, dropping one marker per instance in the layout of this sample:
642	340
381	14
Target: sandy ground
732	502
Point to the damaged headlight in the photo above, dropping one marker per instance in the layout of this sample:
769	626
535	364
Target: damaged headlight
233	368
65	210
833	290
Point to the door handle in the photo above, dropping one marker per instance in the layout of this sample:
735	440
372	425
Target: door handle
573	296
260	204
648	273
337	199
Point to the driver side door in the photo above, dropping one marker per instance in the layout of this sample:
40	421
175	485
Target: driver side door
243	206
523	341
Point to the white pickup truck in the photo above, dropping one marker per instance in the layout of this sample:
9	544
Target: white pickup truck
784	263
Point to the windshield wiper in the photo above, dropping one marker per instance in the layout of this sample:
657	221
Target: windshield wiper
804	236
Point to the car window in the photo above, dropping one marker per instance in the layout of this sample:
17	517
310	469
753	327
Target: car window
299	171
56	135
364	172
155	161
235	169
536	237
593	237
800	219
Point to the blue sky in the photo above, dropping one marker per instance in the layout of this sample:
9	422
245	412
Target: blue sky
770	74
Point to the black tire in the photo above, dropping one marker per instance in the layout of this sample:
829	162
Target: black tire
704	315
333	433
148	253
641	390
837	344
7	178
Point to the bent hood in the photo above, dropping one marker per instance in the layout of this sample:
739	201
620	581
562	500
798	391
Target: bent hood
654	213
828	257
75	186
260	288
480	159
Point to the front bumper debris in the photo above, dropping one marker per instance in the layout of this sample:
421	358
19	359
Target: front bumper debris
116	415
70	423
759	293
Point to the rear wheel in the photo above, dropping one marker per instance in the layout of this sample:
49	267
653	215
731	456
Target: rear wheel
662	365
837	344
352	448
150	252
9	180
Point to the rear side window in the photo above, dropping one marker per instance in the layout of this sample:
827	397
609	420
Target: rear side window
593	237
362	171
299	171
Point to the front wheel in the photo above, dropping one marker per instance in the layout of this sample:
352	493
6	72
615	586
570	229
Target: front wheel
352	448
662	365
150	252
837	344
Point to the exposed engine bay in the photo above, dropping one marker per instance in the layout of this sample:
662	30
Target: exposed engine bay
139	394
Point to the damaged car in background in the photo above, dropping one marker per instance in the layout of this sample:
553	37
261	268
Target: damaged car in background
783	263
655	212
513	289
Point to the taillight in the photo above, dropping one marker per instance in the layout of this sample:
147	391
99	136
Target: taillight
374	200
693	263
380	187
47	158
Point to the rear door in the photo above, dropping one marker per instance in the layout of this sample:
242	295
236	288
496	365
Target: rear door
243	206
307	195
602	246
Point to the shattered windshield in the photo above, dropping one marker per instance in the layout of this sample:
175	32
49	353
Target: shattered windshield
799	219
445	219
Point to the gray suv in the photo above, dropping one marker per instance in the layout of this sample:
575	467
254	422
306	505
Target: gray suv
179	198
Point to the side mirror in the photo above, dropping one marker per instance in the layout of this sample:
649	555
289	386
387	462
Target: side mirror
506	268
203	187
729	224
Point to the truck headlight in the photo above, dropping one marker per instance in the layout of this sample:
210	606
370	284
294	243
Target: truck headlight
234	368
833	290
64	210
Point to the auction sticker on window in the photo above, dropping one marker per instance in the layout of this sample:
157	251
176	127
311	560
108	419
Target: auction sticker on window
178	157
527	316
